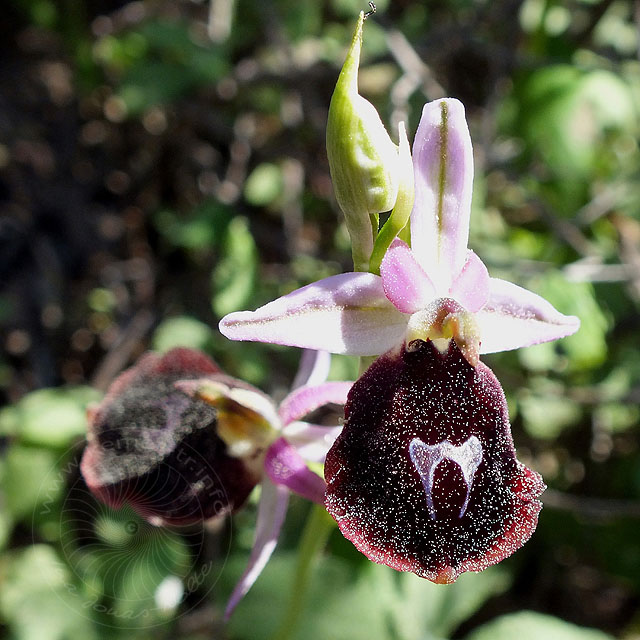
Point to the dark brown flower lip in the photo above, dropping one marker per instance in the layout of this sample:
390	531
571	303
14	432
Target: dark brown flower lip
424	476
152	445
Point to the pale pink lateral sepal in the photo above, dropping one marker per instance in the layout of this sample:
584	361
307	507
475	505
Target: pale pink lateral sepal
347	313
313	368
312	441
471	286
309	398
515	317
443	169
271	513
285	466
404	280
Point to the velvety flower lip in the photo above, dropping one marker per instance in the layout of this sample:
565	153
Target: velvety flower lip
367	314
424	476
153	446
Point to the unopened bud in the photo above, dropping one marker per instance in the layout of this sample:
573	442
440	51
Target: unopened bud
362	157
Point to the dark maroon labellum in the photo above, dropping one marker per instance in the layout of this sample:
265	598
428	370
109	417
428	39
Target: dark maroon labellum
424	476
152	445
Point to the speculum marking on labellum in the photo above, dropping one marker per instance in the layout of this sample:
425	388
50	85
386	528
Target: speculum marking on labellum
424	475
426	459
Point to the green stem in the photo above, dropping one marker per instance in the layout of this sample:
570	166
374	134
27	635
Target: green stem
365	363
314	538
399	217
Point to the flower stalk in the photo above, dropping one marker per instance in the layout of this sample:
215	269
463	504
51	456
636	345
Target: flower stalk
317	529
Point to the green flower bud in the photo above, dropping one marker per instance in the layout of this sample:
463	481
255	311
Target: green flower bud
362	157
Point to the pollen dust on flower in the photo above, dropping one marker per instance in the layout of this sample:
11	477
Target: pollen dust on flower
423	394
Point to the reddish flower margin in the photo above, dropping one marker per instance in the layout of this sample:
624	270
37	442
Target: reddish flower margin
380	496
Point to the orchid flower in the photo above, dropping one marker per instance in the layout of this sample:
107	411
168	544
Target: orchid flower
182	442
435	289
424	476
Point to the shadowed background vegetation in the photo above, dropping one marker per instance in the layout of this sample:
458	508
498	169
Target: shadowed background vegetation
162	163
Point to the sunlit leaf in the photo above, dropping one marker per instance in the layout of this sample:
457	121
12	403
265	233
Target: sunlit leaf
587	348
202	228
264	185
234	277
30	481
528	625
182	331
39	599
49	417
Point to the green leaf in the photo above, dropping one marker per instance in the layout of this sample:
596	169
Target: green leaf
528	625
49	417
539	357
264	185
343	368
30	480
616	417
371	602
547	416
164	555
159	61
566	111
152	83
202	228
567	118
182	331
127	560
39	599
234	277
587	349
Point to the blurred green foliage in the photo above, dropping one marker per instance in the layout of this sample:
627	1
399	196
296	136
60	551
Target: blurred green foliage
531	626
233	280
370	602
213	195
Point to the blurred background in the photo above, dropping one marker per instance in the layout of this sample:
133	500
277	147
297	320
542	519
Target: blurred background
162	163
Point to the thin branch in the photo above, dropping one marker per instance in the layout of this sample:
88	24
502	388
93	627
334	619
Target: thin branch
589	270
592	508
416	74
569	233
119	355
600	205
597	12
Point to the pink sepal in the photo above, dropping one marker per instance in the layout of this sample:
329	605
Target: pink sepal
404	280
271	512
307	399
443	168
347	313
285	466
471	286
515	317
312	441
